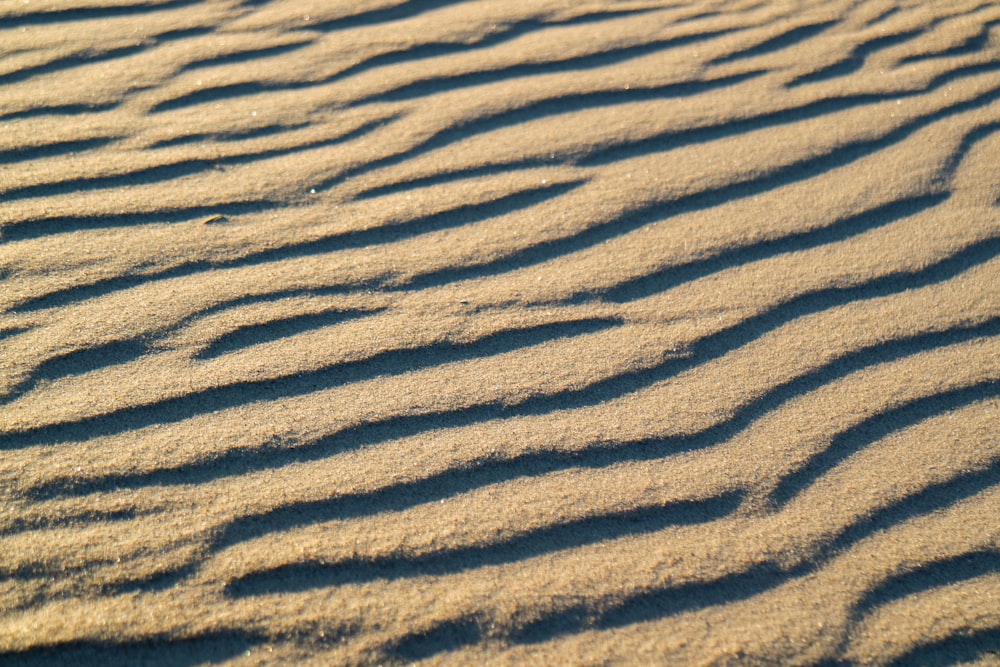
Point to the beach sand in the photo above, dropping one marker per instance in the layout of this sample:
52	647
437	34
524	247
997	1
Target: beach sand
499	332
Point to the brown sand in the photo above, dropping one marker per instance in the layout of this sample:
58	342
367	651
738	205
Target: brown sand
505	331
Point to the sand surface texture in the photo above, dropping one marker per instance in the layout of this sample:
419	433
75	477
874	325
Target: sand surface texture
507	331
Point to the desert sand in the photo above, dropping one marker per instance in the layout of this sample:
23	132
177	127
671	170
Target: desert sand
499	332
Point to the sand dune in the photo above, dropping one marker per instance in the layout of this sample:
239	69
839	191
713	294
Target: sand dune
497	331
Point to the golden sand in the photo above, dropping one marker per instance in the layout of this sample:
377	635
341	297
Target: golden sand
499	332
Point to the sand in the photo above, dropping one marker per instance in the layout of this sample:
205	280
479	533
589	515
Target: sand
499	332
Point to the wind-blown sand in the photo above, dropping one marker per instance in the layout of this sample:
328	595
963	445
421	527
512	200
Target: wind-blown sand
539	332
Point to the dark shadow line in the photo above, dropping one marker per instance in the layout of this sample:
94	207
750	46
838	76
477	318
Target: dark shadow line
781	176
973	44
959	648
143	176
165	172
298	577
245	56
13	331
541	252
701	16
663	602
488	471
673	139
449	177
236	135
106	286
892	11
928	576
551	106
388	363
78	362
445	636
648	605
840	230
597	16
229	91
968	141
675	275
157	650
665	141
59	110
930	499
238	461
45	522
175	34
32	229
356	133
460	216
416	7
152	582
405	10
613	56
436	84
149	582
118	283
26	153
91	13
384	234
266	297
862	435
652	604
855	60
417	52
776	43
255	334
504	33
69	62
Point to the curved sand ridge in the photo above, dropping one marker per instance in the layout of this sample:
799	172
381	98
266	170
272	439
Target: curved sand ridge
499	331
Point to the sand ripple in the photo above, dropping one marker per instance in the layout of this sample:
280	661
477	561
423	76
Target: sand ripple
499	331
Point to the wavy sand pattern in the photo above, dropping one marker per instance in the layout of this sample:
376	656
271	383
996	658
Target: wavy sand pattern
468	331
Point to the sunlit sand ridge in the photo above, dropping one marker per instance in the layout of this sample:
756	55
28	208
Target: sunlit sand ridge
458	331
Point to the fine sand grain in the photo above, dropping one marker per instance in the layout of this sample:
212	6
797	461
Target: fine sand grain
499	331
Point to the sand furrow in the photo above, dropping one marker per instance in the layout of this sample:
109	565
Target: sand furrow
501	332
